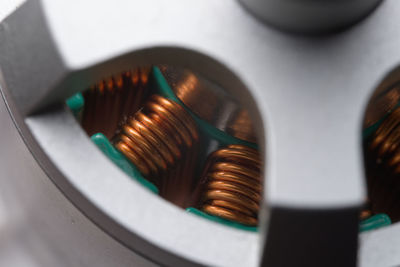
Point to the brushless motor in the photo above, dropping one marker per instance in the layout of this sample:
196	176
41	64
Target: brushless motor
144	133
166	142
167	139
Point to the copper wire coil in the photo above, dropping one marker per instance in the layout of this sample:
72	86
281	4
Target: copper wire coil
382	102
232	188
365	214
161	141
381	139
210	102
111	101
382	160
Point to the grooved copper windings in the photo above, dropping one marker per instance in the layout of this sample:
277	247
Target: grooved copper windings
161	139
382	151
382	157
210	102
232	188
112	100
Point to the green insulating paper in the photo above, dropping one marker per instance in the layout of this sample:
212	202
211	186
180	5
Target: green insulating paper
76	103
375	222
123	163
221	220
165	90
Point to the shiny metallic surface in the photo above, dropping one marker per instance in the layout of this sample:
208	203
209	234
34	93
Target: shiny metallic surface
307	97
382	159
162	141
32	210
383	137
109	102
381	103
311	16
232	184
381	149
210	102
39	226
384	99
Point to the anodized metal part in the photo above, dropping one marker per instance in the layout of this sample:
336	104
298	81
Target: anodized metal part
306	95
311	16
39	226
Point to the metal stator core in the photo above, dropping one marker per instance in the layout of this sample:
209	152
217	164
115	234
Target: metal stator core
216	133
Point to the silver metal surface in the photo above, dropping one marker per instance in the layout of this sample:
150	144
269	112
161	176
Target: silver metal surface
39	226
311	16
307	96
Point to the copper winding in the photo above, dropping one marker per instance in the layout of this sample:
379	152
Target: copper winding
157	137
386	138
161	139
233	184
241	126
210	102
365	214
112	100
381	103
382	161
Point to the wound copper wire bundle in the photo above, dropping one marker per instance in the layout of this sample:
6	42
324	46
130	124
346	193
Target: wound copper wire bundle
382	160
232	184
114	99
161	141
